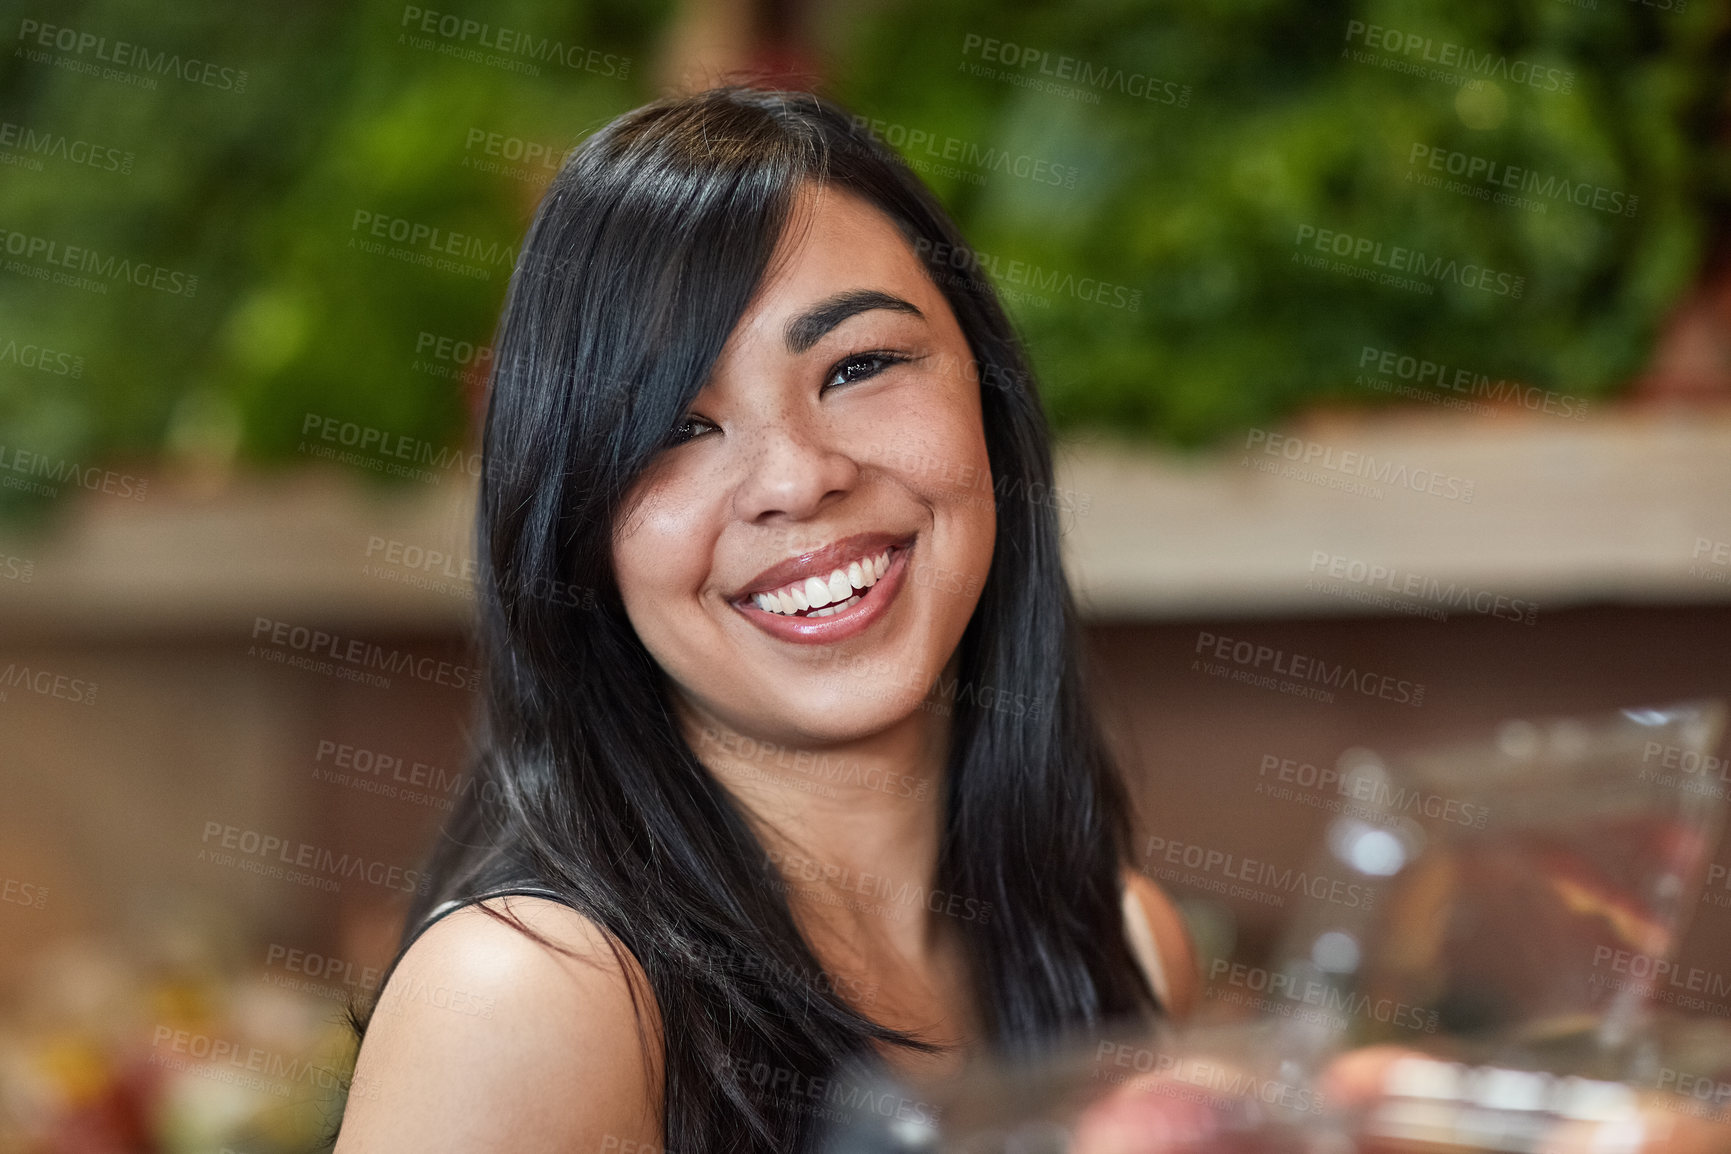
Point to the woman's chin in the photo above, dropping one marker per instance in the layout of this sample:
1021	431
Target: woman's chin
851	713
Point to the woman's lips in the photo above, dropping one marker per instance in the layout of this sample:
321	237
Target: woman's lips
874	602
821	563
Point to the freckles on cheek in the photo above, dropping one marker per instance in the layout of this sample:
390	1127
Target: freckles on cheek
933	446
945	462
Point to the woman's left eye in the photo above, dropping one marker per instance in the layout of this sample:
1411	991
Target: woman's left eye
861	366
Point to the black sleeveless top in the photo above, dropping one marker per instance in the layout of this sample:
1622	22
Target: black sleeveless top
455	904
857	1126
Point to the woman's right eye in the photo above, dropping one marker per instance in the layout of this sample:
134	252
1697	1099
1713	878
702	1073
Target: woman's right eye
688	429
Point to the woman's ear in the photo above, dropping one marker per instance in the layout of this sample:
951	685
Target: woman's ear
1177	955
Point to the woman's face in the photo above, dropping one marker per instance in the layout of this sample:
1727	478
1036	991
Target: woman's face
840	430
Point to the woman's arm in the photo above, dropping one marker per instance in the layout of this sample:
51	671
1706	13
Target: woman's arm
485	1040
1171	943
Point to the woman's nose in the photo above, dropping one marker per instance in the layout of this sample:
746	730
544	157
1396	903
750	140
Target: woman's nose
793	467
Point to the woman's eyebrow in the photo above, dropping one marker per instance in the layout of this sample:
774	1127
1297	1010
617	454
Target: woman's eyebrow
809	327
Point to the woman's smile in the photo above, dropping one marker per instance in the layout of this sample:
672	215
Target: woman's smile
831	595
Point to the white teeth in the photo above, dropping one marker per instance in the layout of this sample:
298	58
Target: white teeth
822	596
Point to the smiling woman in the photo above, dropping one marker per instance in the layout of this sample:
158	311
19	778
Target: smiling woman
810	782
848	347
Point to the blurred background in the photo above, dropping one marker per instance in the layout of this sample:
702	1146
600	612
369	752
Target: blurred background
1393	336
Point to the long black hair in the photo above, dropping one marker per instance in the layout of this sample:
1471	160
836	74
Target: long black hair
640	260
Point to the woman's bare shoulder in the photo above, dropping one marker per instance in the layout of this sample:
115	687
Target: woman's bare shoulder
1171	939
481	1035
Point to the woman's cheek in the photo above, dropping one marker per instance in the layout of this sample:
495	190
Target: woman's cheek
662	554
931	440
